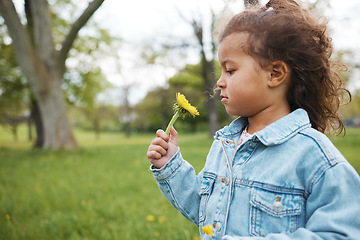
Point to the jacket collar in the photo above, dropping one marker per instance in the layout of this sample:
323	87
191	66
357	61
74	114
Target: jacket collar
276	133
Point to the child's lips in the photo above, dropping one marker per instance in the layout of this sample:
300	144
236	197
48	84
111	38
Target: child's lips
223	98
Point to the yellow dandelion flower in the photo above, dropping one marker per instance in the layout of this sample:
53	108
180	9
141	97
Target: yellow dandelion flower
208	230
7	216
185	105
181	107
161	219
150	218
157	234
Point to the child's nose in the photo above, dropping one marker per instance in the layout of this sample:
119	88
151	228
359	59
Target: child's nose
221	82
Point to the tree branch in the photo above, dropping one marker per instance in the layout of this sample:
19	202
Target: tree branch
70	38
20	40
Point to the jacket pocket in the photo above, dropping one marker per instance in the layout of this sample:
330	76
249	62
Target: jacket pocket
205	191
272	212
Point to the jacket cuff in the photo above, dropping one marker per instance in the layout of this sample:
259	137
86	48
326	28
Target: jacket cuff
169	168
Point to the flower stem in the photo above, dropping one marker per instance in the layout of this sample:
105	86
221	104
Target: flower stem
172	121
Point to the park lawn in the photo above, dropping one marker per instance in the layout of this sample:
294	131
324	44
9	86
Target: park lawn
101	191
349	146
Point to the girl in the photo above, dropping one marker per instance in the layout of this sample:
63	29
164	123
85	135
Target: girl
272	173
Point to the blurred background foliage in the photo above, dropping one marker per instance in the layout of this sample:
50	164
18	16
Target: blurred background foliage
87	89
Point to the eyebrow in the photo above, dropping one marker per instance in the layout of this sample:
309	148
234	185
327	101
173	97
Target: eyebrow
223	63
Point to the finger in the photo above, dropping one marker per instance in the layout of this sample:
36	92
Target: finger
161	134
153	155
160	142
158	149
173	136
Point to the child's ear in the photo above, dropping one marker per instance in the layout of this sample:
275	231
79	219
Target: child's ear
279	72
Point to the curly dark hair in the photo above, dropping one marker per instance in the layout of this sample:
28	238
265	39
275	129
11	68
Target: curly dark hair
283	30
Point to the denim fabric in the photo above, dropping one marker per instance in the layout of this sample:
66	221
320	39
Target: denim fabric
287	182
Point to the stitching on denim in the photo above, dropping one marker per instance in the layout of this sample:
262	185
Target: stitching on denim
331	161
283	138
255	210
319	173
245	162
327	153
173	170
271	212
296	222
252	224
202	208
177	205
206	195
231	187
210	175
270	187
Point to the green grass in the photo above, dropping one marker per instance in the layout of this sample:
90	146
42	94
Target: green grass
101	191
349	146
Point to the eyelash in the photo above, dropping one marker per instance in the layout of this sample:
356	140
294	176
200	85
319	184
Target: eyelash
230	72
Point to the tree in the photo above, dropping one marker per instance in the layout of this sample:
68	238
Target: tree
126	115
154	110
43	65
83	90
208	72
13	90
190	81
84	82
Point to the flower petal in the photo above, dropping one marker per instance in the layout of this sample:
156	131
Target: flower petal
208	230
185	105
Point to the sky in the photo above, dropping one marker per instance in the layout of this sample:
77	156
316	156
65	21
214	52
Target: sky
141	21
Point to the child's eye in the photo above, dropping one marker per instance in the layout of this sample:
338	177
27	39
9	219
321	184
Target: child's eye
230	72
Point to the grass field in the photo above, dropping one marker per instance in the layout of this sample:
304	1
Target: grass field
101	191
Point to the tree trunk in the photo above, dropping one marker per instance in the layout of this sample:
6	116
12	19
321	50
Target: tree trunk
57	131
127	111
14	133
28	121
96	124
35	116
208	73
13	122
209	84
44	67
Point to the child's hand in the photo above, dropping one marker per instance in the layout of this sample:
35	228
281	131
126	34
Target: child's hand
162	148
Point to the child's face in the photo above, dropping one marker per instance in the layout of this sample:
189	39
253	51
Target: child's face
243	83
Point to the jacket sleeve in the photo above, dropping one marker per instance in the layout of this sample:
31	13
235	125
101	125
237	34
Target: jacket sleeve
179	184
332	208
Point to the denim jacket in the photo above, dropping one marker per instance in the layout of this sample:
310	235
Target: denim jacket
287	182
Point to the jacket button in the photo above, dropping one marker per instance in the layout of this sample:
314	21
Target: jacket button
225	181
277	206
218	226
